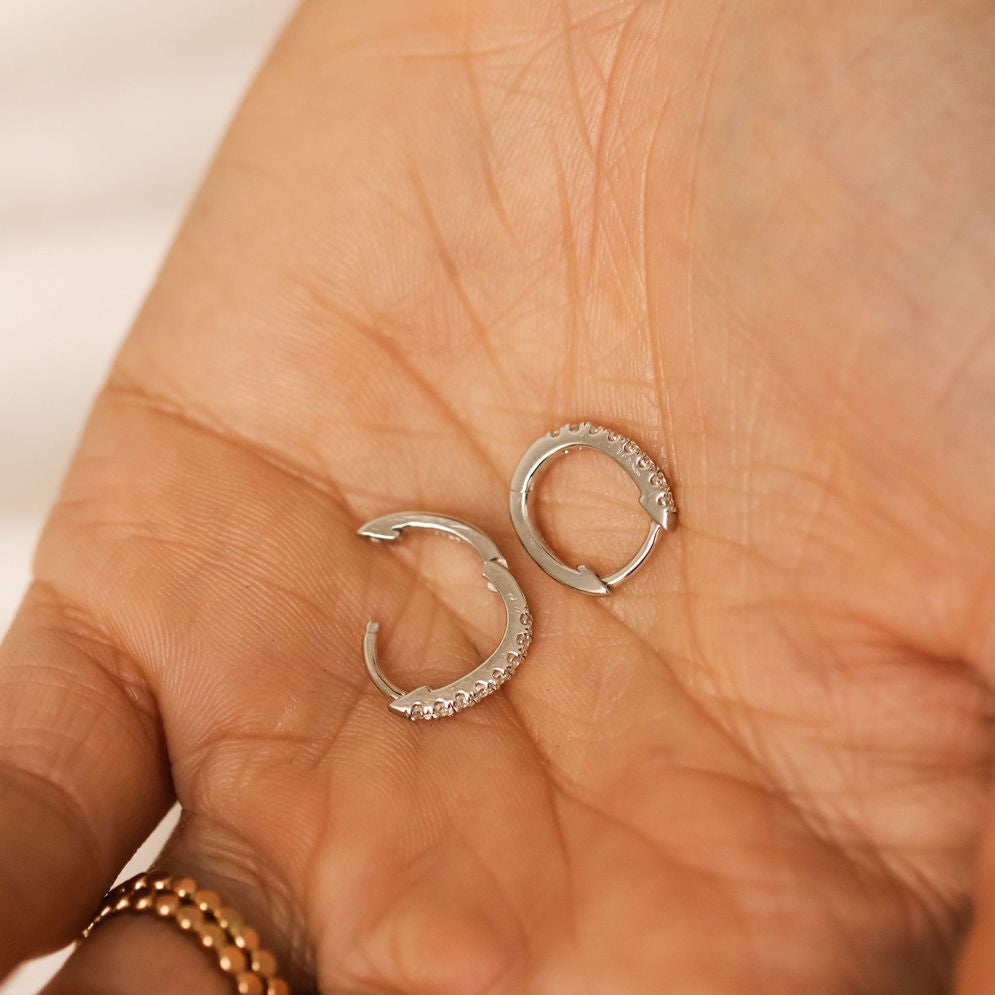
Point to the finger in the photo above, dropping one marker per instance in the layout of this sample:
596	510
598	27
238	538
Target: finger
82	774
138	954
145	954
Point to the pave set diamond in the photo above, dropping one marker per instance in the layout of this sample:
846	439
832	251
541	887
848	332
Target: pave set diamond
464	697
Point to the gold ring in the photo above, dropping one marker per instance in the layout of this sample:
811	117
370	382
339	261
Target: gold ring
217	928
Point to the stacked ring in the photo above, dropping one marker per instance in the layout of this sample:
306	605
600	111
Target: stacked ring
218	928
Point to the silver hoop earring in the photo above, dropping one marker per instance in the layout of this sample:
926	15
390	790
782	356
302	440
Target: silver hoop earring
487	677
655	498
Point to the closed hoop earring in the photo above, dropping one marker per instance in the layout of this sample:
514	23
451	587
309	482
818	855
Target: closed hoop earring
654	497
486	677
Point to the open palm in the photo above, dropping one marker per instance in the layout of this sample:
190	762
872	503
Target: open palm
757	238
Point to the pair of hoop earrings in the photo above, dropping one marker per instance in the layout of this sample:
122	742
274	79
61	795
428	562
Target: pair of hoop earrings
654	497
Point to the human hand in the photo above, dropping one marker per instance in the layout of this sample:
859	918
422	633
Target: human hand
756	238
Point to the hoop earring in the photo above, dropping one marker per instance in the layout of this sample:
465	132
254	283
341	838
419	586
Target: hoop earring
486	677
655	498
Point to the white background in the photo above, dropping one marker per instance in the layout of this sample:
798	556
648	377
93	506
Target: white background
109	112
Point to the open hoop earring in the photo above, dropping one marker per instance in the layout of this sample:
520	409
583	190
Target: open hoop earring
487	677
655	498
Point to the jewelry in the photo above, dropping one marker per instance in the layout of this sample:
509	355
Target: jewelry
487	677
655	498
217	928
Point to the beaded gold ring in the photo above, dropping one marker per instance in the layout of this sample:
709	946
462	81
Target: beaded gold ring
219	929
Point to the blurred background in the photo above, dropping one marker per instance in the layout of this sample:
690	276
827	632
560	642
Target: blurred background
109	113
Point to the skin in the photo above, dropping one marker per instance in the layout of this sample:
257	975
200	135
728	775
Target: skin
760	239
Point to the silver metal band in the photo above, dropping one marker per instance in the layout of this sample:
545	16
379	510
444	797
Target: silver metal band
487	677
654	497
